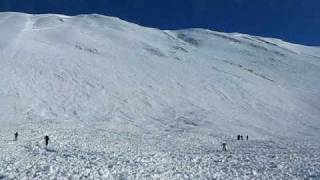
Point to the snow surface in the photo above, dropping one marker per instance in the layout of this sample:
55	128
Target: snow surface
121	101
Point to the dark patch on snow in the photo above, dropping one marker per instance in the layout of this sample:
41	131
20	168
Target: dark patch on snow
249	70
188	39
171	37
189	122
89	50
227	38
178	48
190	119
313	176
267	42
257	46
279	53
273	44
259	40
61	20
155	51
177	58
50	150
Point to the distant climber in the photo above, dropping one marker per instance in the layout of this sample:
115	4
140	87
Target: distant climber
241	137
247	137
16	136
238	137
224	146
46	139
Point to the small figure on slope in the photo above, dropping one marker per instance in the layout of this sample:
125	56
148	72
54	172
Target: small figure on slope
46	139
224	146
16	136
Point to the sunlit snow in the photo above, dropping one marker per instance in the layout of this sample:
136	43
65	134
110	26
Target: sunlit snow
122	101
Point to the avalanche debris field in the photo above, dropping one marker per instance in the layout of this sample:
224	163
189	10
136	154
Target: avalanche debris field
93	151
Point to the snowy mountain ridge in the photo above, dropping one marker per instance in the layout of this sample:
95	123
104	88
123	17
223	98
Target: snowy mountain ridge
91	68
122	101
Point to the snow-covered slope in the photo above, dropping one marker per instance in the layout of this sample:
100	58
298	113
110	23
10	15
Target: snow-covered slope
97	68
121	101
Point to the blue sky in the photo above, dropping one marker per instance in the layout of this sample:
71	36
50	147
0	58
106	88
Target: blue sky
295	21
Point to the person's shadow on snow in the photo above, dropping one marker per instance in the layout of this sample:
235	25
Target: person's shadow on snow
48	149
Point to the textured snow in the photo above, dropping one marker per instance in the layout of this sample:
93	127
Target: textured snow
96	151
121	101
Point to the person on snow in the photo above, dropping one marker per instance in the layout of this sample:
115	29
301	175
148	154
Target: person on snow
16	136
224	146
238	137
46	139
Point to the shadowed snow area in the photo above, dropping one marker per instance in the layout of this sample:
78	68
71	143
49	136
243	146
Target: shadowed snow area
121	101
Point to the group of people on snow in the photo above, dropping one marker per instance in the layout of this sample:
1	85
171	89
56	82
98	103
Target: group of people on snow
240	137
46	138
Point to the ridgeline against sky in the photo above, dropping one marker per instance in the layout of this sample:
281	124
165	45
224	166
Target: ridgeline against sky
291	20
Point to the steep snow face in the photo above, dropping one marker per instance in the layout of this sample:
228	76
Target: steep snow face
91	68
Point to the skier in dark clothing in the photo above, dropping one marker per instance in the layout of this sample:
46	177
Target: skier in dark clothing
16	136
238	137
46	138
247	137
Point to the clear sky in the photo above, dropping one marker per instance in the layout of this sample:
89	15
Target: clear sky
295	21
